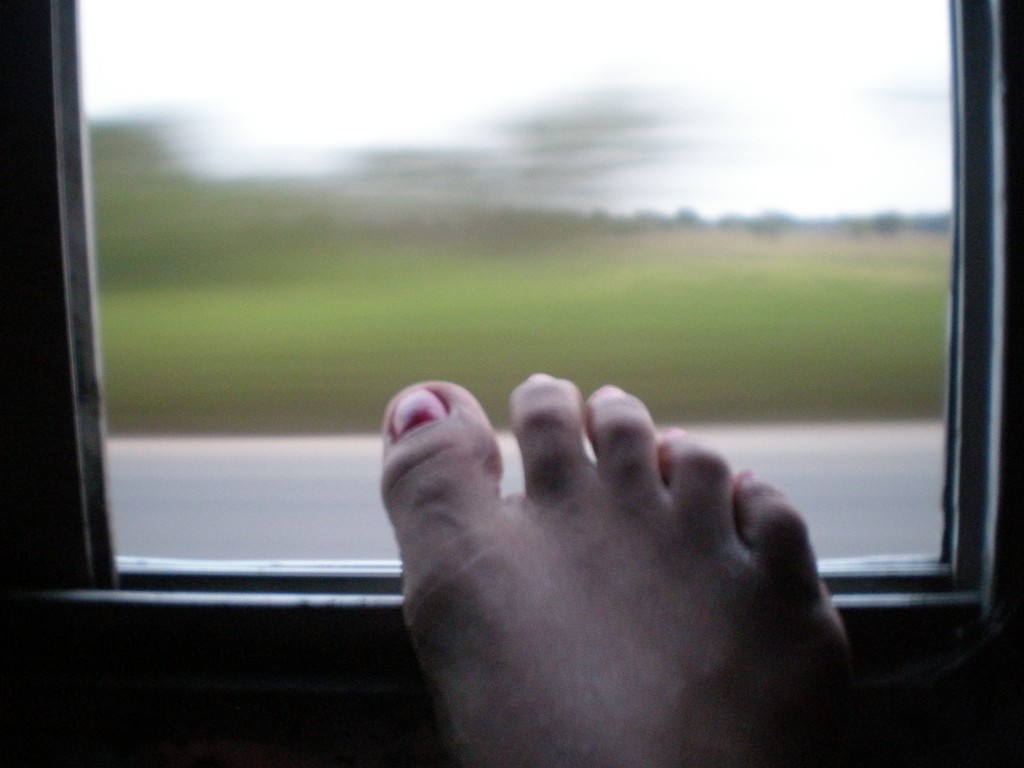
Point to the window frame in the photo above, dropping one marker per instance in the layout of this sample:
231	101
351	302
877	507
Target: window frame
67	605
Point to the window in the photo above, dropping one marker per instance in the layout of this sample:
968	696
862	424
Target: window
54	545
281	247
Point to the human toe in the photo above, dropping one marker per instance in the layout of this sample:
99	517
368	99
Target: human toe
442	465
700	486
775	533
547	419
623	436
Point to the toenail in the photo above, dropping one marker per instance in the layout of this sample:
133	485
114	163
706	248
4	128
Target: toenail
541	378
417	407
608	390
745	478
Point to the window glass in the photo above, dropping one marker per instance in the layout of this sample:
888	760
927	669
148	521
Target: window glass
738	211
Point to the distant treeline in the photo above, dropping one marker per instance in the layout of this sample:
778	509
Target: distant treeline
140	162
774	223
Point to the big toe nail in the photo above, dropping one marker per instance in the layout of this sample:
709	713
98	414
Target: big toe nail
420	406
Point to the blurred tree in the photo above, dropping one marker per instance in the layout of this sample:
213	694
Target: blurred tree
137	149
569	154
564	156
887	223
687	218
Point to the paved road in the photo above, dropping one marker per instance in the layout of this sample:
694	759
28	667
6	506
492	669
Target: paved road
866	489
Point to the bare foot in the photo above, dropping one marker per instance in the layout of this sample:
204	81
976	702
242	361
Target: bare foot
646	610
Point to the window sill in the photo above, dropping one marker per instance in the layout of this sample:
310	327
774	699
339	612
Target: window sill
338	626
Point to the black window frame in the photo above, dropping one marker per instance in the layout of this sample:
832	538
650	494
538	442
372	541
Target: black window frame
68	606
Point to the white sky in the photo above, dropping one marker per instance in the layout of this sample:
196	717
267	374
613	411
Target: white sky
804	106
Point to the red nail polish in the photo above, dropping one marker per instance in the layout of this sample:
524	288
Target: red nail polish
417	407
745	478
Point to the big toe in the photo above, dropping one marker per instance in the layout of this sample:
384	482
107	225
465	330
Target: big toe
442	469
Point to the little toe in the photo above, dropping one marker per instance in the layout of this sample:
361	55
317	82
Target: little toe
547	419
623	436
442	466
700	484
773	530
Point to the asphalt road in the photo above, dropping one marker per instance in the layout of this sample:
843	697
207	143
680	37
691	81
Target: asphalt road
865	489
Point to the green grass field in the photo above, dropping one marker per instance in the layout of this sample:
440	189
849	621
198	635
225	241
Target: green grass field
699	334
240	308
